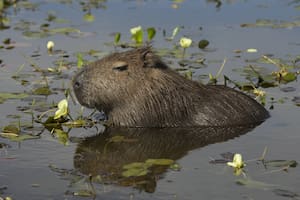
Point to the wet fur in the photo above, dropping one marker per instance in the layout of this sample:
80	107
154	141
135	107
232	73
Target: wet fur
146	93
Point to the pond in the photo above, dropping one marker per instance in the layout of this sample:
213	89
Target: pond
251	45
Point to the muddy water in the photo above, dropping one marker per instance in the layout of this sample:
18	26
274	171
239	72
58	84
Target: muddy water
45	168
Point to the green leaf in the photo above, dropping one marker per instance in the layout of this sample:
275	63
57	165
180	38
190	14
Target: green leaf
76	123
65	30
18	138
151	33
289	77
117	37
79	60
254	184
203	43
42	91
5	95
89	17
159	161
35	34
84	193
11	129
138	37
281	163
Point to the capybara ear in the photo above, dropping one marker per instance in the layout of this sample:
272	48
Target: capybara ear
151	60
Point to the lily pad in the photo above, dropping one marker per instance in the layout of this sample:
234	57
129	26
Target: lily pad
281	163
6	95
42	91
160	161
18	138
203	43
89	17
254	184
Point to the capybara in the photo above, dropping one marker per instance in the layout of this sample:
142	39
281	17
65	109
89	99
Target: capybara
137	89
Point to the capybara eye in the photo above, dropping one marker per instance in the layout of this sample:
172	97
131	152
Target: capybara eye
120	66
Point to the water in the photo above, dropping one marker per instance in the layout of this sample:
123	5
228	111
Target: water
24	167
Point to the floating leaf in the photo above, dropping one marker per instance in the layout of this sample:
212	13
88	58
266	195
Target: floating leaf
89	17
159	161
11	129
18	138
76	123
289	77
203	44
42	91
65	30
117	38
254	184
151	33
281	163
84	193
79	60
35	34
62	109
5	95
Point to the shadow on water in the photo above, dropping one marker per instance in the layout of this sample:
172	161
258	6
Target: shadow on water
103	155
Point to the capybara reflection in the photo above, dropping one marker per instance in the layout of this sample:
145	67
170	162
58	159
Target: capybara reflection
137	89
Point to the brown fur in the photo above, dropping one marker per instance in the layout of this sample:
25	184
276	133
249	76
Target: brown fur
136	89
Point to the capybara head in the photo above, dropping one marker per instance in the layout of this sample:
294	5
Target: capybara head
108	82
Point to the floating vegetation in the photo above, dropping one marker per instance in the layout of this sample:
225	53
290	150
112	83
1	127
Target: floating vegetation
272	79
6	95
239	165
272	23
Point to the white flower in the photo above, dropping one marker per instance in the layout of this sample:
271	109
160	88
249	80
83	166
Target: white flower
62	109
185	42
237	162
135	30
50	45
